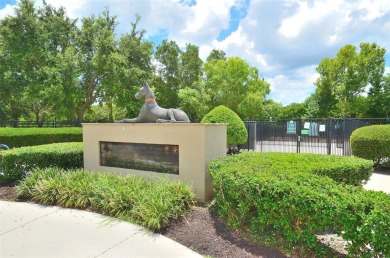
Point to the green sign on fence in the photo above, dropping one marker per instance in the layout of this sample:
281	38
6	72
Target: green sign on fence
304	132
291	127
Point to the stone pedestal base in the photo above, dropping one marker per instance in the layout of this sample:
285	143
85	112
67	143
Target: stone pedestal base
197	144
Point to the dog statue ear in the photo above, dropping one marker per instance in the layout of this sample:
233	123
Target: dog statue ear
146	84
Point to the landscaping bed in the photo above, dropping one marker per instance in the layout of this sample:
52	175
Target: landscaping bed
294	202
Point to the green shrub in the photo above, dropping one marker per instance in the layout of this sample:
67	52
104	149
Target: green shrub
372	142
19	137
15	163
342	169
141	201
236	131
285	207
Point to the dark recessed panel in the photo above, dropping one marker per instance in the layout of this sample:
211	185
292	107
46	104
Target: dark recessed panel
162	158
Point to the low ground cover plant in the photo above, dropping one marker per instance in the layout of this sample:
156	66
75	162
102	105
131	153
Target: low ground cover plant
286	206
142	201
373	143
15	163
19	137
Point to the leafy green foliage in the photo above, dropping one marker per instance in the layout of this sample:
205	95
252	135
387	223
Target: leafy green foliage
193	101
344	78
372	142
293	110
15	163
31	41
18	137
236	85
379	98
168	83
148	203
286	204
236	131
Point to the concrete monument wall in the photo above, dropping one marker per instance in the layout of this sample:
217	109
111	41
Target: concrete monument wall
195	143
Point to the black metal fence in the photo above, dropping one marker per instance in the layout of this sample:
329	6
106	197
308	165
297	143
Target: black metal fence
320	136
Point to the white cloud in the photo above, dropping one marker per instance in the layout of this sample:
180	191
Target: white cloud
374	9
7	10
294	87
306	15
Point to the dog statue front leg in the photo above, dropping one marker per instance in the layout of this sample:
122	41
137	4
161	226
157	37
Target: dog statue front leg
171	115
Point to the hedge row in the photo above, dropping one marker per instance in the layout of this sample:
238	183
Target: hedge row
372	142
15	163
19	137
287	209
342	169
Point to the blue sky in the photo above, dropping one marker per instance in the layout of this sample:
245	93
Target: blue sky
285	39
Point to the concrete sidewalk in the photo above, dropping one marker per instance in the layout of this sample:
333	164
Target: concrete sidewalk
32	230
378	182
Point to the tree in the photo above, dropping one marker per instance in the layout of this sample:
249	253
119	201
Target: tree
344	79
167	83
32	41
98	61
271	109
216	54
63	73
135	68
194	101
379	98
191	66
293	110
311	107
235	84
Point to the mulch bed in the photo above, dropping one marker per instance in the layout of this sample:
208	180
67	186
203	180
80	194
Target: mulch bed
204	232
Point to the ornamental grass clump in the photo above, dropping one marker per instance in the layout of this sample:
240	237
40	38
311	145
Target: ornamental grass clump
147	203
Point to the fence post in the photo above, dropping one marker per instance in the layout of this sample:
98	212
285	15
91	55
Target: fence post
329	134
299	123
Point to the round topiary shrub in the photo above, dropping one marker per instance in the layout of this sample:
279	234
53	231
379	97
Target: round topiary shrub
372	142
236	131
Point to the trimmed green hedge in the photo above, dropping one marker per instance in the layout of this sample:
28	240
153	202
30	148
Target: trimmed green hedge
236	131
371	142
15	163
342	169
286	208
19	137
148	203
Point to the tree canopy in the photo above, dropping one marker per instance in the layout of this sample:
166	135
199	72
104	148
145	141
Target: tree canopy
54	67
346	79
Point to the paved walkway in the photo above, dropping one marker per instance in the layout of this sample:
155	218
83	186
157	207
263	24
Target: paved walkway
32	230
379	182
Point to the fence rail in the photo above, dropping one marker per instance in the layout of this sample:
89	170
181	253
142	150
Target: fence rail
320	136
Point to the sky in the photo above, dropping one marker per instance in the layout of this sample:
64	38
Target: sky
284	39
